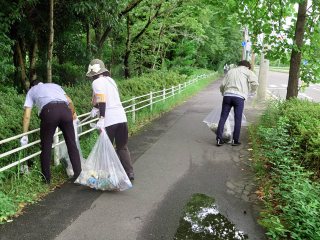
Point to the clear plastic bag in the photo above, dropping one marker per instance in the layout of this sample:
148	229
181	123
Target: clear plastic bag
212	121
63	151
103	169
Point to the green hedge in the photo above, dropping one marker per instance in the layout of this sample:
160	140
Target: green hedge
286	161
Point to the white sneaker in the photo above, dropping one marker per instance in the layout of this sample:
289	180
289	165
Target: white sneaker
24	169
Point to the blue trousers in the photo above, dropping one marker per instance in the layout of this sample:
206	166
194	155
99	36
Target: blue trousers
238	104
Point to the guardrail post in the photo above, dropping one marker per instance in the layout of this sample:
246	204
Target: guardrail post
134	109
163	94
56	156
179	88
151	101
185	85
172	90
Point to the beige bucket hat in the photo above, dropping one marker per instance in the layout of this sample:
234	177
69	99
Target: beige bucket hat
96	67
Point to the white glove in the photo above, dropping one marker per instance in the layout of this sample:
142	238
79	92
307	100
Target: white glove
100	123
94	112
24	140
76	122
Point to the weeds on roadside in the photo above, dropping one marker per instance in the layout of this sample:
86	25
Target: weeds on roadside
290	193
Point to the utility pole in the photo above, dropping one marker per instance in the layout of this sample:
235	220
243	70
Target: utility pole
263	76
245	37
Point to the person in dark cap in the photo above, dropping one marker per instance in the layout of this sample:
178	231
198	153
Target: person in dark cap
55	109
112	117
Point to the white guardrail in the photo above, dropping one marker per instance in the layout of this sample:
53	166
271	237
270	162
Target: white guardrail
131	106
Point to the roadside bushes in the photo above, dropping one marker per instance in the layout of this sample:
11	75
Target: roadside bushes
304	119
287	168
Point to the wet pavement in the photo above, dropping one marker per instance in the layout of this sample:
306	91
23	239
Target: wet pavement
174	158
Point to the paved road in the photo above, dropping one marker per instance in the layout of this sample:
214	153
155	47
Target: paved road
174	157
278	83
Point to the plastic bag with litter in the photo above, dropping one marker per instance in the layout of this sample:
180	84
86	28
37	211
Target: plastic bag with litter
63	150
212	121
103	169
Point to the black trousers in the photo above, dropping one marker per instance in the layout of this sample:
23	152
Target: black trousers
118	133
55	115
238	105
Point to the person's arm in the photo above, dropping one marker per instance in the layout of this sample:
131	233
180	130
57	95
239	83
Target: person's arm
99	99
101	105
223	84
71	106
26	119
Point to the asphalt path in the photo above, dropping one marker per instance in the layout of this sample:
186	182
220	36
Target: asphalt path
174	157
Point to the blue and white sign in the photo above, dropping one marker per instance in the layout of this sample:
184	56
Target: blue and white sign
243	44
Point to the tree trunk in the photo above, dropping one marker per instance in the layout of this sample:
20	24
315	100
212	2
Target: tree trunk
50	43
33	59
126	64
23	76
88	35
295	61
127	53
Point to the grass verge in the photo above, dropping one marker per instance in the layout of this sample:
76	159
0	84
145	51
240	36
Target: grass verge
286	165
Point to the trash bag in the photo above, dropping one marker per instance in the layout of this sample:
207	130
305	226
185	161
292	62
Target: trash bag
103	169
212	121
63	150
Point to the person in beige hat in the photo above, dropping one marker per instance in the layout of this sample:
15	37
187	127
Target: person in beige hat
112	117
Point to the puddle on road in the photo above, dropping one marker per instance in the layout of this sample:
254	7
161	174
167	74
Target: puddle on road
202	220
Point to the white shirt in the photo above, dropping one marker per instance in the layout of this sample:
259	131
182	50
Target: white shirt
114	111
44	93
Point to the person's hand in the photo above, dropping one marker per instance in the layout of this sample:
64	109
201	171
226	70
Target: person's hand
94	112
100	123
24	140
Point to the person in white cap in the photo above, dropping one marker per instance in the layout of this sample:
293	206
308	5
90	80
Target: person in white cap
55	109
112	117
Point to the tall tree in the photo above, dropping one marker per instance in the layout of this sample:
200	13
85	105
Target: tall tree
132	40
288	32
295	60
50	42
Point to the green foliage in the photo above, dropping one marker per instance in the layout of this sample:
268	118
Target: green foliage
277	21
11	107
8	208
153	81
304	118
289	191
68	73
6	68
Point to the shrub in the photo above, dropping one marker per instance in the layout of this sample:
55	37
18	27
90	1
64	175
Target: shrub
290	194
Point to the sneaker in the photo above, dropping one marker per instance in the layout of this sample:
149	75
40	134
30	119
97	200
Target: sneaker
219	142
235	143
